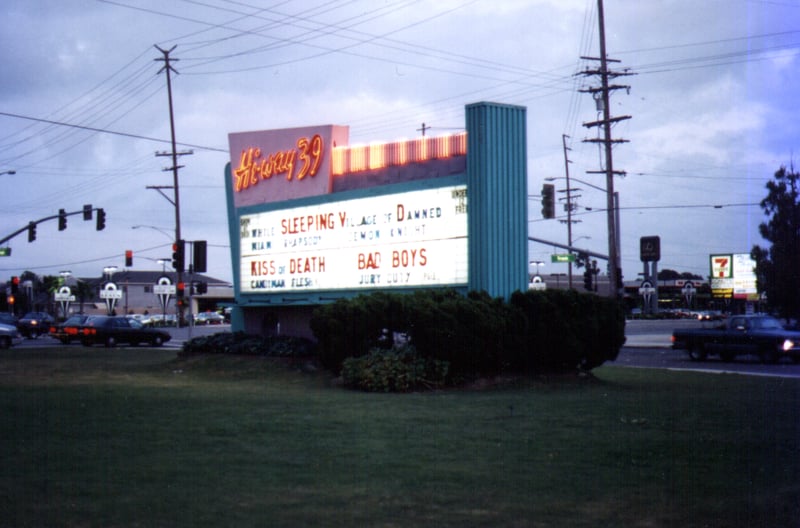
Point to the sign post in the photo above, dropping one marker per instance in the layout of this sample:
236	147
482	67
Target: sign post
164	288
650	254
111	294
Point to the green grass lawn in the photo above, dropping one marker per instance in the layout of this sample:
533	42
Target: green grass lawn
136	437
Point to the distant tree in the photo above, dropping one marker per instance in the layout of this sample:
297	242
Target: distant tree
83	291
778	266
668	274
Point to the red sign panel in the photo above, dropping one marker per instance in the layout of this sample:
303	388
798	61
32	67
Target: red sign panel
276	165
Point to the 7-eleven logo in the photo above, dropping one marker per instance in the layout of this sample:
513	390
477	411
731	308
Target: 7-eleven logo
722	266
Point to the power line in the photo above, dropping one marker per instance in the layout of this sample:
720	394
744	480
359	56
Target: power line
114	132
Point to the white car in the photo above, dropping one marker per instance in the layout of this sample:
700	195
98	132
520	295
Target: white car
9	335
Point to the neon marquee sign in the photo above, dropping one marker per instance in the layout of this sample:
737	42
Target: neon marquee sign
254	166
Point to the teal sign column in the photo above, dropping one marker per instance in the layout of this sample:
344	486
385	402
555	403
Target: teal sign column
497	194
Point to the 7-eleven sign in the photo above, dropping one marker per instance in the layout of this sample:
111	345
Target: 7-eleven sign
721	266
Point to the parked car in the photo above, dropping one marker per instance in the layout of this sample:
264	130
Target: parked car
144	319
9	319
111	330
69	330
34	324
205	318
9	335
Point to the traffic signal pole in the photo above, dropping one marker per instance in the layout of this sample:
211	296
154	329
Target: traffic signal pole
61	215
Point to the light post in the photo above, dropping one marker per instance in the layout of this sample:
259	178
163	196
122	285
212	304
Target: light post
159	229
537	263
616	231
110	270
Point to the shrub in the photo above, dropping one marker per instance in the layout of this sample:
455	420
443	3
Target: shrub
399	369
476	335
467	332
353	327
566	330
245	344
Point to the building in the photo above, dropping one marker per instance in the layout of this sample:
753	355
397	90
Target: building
138	294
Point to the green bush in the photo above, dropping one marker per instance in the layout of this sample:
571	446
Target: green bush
467	332
240	343
476	335
399	369
353	327
565	330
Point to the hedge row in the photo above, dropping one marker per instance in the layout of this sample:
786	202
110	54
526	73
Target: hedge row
475	335
245	344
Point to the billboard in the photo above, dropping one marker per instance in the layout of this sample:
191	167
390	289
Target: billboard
410	239
733	276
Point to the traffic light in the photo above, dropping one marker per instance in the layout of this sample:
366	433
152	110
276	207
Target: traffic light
31	231
199	256
178	252
62	219
87	212
101	219
200	287
548	200
128	258
14	285
587	279
181	290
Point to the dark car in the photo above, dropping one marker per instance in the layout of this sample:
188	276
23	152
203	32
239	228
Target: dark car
34	324
110	330
760	335
69	330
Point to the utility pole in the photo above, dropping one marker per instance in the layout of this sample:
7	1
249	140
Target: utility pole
601	96
174	154
569	203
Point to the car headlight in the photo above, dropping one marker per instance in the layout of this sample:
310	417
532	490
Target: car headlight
788	345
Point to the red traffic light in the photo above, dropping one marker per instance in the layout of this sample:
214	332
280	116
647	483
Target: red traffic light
128	258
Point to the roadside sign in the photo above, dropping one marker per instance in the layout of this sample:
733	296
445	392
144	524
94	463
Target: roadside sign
650	249
568	257
164	289
537	284
5	251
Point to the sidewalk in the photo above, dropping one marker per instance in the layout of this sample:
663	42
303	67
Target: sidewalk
649	341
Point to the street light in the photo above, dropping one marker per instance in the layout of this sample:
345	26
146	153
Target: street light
615	201
109	270
159	229
593	186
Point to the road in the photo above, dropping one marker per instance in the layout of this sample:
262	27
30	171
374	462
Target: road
648	346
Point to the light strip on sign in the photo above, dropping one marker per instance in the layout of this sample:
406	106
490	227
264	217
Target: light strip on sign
416	238
358	158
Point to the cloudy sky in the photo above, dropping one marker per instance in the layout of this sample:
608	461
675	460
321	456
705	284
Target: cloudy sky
83	110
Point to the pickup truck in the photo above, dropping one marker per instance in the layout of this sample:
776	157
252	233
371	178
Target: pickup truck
760	335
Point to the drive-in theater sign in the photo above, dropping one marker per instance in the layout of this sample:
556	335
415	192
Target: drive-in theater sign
313	219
